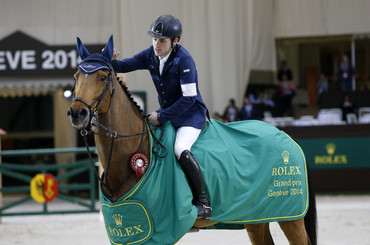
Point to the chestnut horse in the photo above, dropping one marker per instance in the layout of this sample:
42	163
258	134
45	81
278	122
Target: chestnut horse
118	121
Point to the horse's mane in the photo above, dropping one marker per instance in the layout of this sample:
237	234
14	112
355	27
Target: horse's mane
129	95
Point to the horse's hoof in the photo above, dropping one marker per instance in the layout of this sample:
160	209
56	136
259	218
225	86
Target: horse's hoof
193	229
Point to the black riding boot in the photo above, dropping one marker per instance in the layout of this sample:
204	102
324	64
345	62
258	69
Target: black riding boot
192	171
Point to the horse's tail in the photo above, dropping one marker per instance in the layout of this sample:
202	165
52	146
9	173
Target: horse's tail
310	220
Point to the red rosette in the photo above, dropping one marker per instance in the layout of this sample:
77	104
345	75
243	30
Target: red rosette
139	163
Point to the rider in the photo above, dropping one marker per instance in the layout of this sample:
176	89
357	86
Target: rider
175	77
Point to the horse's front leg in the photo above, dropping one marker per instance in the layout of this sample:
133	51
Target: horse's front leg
259	234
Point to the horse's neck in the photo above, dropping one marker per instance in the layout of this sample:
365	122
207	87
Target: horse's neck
123	118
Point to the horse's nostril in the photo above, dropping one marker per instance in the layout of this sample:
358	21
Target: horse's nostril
69	112
81	113
78	117
78	114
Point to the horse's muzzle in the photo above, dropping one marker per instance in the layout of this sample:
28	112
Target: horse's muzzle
79	117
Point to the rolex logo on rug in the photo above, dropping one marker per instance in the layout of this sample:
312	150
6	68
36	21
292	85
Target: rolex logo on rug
117	219
285	155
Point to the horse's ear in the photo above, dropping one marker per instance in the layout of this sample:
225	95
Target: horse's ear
82	51
108	50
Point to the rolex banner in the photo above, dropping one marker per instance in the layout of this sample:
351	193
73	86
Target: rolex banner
253	173
329	153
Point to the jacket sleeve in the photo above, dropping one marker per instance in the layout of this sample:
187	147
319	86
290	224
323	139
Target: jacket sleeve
188	82
137	62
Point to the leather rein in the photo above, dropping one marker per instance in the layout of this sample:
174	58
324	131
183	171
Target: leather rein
93	121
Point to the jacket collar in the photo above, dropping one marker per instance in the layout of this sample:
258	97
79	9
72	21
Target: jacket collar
169	62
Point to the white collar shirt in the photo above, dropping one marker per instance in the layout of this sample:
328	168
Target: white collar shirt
162	61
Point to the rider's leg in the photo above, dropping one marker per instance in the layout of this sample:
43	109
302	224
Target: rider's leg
185	138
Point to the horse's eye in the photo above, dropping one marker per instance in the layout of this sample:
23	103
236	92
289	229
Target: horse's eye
103	78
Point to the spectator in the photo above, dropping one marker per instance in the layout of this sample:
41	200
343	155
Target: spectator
256	99
217	116
284	71
345	73
322	87
231	112
348	106
248	111
268	102
287	92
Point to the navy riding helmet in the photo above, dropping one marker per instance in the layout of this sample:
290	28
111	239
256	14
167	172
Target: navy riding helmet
165	26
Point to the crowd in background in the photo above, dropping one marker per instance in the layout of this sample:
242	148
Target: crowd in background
257	104
278	102
254	106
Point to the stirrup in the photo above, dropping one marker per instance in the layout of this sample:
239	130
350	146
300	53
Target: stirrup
204	211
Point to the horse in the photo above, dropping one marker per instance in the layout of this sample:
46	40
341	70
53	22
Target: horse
120	129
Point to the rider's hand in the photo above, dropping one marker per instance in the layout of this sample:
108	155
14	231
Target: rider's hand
115	54
153	118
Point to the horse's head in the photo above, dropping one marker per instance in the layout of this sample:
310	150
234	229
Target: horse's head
94	79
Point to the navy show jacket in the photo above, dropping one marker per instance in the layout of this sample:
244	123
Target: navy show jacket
177	87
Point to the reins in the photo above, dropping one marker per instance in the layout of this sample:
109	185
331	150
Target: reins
113	134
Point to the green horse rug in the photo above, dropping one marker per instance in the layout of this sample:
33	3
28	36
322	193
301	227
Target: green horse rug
253	173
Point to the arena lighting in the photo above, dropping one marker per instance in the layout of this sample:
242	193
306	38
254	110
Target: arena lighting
67	94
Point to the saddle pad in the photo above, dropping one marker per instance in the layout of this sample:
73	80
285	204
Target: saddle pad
253	173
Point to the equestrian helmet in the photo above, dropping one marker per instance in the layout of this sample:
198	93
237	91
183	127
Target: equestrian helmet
165	26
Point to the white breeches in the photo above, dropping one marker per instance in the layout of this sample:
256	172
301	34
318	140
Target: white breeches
185	138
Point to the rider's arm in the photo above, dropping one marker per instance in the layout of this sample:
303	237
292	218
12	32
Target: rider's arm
137	62
188	83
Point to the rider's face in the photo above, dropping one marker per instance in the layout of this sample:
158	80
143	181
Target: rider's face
162	46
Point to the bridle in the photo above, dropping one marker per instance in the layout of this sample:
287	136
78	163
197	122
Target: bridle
93	121
98	101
